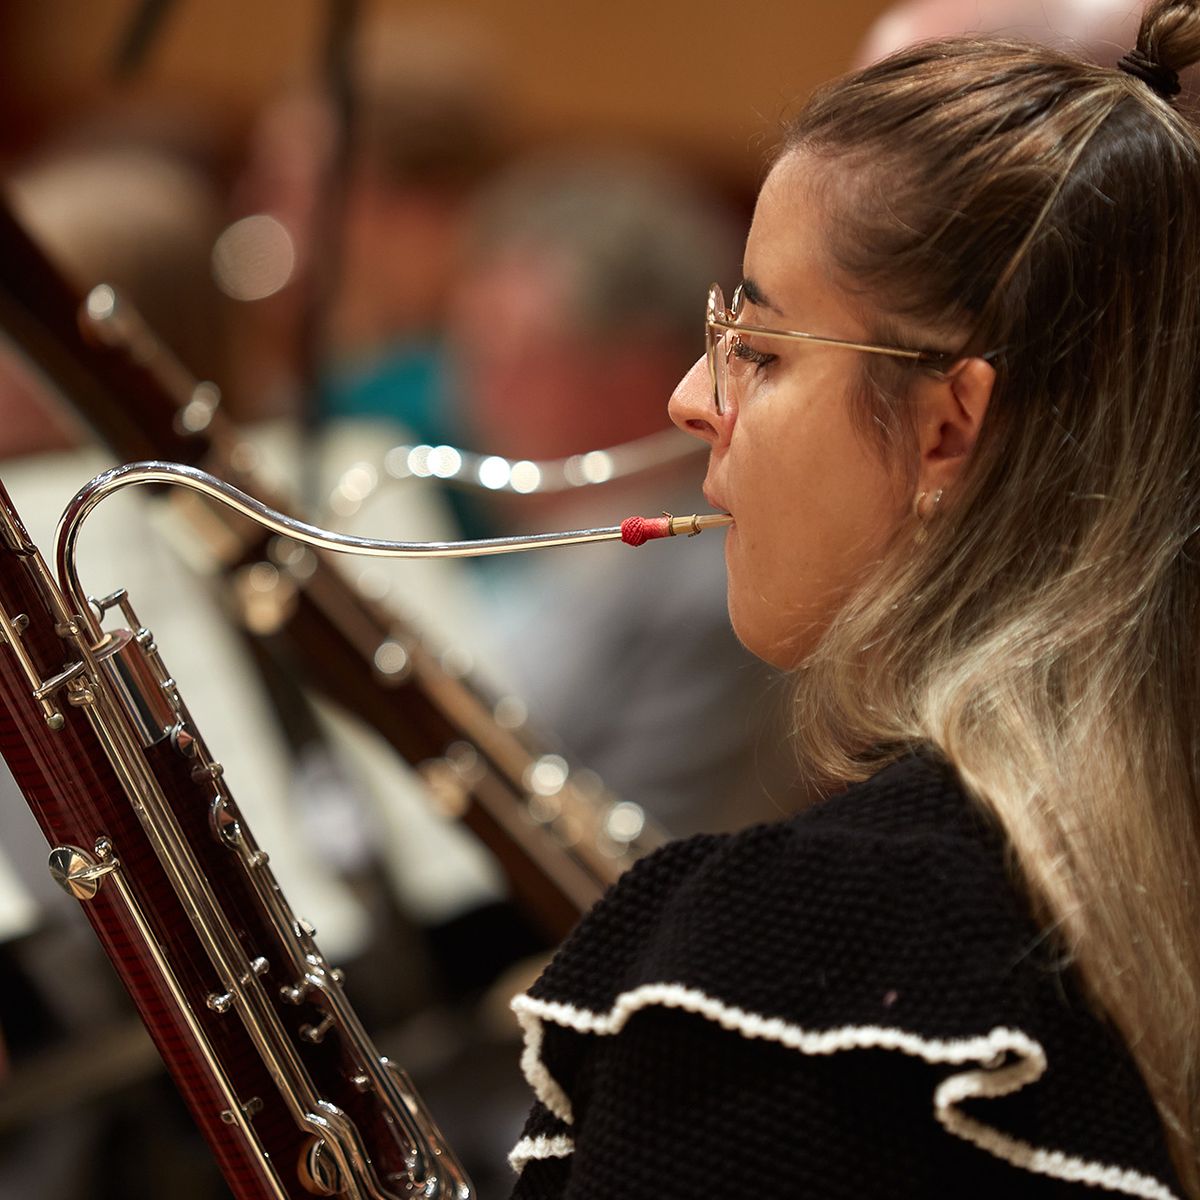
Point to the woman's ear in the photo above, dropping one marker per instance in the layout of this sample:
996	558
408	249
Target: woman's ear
950	412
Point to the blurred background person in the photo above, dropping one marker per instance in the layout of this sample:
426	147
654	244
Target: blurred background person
429	128
371	195
575	313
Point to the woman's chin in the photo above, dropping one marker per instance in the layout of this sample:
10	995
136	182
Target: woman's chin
770	645
780	645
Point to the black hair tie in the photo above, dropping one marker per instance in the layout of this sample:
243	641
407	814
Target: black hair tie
1158	78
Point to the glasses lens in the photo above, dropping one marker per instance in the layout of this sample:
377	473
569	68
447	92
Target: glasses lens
717	347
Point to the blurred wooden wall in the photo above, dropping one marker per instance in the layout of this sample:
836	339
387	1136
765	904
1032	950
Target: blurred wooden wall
704	79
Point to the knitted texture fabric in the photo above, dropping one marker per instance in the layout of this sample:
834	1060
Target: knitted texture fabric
854	1002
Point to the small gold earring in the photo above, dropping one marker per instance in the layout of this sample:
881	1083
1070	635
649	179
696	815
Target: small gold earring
923	514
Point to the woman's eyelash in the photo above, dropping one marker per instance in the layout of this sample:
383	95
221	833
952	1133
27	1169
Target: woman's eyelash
749	354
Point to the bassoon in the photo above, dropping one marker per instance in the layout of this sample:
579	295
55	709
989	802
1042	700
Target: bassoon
252	1022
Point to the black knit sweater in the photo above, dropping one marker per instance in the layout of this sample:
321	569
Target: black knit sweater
851	1003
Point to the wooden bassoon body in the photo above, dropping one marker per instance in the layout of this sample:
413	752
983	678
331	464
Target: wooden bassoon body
250	1019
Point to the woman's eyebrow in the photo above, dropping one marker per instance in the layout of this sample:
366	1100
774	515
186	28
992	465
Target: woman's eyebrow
756	296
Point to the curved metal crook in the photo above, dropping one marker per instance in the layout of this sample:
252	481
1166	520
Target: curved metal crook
193	479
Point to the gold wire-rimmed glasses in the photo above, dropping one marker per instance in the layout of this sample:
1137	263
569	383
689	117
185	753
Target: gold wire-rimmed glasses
724	347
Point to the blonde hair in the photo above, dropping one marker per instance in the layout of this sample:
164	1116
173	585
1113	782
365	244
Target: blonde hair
1045	638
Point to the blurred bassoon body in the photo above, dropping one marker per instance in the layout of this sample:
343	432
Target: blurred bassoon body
559	836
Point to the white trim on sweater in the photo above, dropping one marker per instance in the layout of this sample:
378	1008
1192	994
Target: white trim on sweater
543	1146
992	1074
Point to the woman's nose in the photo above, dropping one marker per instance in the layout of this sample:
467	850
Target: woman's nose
691	407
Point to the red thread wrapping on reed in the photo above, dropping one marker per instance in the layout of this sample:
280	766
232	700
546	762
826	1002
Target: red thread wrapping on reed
636	530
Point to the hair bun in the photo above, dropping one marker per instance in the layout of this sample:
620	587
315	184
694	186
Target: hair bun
1161	79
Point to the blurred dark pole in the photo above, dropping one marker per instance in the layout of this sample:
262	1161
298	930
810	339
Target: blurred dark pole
139	37
325	250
